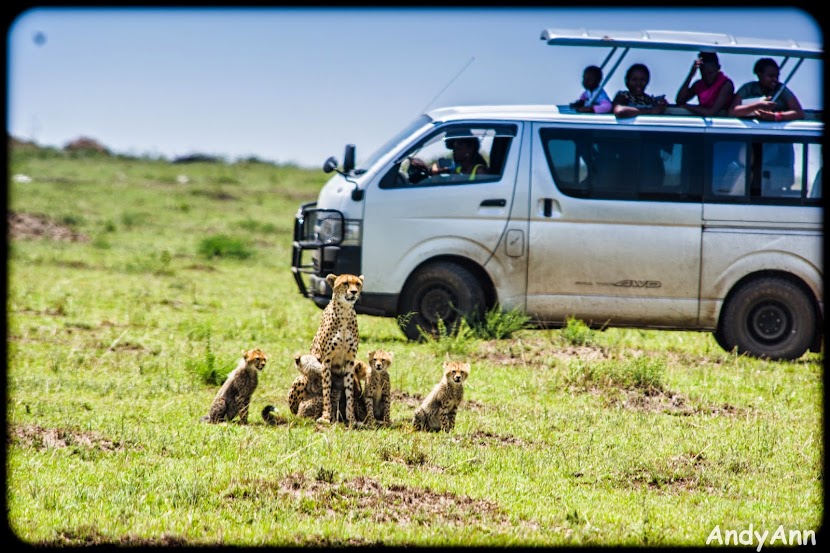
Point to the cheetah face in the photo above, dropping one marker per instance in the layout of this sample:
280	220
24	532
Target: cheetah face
456	371
380	360
255	357
345	288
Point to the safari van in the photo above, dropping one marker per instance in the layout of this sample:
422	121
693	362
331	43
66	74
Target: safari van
670	221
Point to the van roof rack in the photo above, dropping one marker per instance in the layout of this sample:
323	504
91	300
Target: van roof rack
682	40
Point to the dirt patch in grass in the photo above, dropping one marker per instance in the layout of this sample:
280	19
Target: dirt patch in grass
536	351
474	405
326	541
71	264
27	226
88	535
37	437
127	346
51	312
679	474
201	267
410	400
485	437
663	401
215	194
367	497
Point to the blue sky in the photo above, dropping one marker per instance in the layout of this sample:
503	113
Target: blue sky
295	84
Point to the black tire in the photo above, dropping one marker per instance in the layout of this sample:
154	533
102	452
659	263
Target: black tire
443	290
721	341
769	317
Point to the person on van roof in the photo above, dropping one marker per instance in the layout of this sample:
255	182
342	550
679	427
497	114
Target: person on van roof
635	101
466	159
593	99
760	96
714	89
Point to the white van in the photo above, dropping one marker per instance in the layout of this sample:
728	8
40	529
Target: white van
669	221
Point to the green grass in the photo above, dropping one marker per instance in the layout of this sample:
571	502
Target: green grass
118	343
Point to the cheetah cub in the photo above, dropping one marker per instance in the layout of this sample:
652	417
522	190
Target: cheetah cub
437	411
377	393
306	395
234	397
308	383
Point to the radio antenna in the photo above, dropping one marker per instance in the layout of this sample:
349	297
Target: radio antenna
460	71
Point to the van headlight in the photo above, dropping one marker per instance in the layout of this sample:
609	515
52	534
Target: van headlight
324	226
351	234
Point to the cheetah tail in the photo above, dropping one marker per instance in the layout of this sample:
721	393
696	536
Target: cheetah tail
269	414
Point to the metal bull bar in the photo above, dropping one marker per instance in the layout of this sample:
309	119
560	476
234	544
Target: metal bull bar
314	229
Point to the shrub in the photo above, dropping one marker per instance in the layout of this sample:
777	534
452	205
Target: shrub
222	245
577	333
459	339
205	368
497	324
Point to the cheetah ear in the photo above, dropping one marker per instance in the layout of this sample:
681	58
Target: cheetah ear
297	358
391	355
330	278
244	353
360	278
372	354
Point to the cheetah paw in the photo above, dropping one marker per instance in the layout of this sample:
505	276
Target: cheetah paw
324	420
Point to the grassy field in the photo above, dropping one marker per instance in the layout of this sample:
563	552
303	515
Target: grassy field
149	278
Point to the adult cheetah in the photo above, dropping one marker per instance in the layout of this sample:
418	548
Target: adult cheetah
335	343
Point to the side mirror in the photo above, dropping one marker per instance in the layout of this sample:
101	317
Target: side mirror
330	165
348	158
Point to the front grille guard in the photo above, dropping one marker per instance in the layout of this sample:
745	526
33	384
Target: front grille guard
314	229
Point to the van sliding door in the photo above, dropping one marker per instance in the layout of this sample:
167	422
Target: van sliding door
615	225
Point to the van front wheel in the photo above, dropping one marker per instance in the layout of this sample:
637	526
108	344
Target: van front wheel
770	317
444	292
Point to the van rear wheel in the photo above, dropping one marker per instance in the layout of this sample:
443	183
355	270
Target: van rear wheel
443	291
769	317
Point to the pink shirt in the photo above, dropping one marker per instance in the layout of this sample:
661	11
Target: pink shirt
706	95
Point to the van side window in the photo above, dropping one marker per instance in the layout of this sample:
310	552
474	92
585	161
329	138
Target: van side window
729	173
765	170
814	167
624	165
454	154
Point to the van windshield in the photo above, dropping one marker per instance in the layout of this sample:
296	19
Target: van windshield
392	142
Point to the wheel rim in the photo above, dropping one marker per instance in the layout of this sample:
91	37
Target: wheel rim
437	303
770	322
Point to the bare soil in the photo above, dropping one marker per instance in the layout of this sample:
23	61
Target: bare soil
27	226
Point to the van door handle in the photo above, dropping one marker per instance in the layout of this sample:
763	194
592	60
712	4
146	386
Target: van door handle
493	203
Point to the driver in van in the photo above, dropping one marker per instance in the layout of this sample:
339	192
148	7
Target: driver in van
466	159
